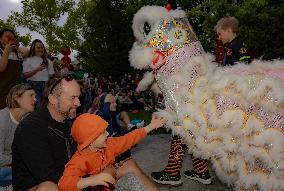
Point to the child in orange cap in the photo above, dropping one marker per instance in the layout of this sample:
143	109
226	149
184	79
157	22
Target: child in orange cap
96	151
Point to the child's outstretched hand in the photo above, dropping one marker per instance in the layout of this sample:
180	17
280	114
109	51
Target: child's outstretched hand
156	122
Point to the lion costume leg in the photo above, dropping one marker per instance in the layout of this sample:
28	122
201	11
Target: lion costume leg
171	173
200	171
176	156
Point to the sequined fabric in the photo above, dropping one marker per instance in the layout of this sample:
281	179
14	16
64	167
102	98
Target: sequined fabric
174	63
171	35
232	116
271	119
180	58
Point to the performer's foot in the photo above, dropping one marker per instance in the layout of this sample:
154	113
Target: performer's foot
204	178
163	177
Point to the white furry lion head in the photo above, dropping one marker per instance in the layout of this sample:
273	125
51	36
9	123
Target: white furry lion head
158	30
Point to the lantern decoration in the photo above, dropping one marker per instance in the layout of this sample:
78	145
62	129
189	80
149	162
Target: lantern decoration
66	52
168	7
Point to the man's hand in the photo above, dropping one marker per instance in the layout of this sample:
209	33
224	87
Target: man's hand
103	178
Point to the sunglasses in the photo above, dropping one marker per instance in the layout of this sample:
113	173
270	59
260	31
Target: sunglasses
67	77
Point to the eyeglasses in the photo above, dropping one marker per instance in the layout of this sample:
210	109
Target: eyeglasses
67	77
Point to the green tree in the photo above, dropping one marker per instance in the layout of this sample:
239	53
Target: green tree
42	16
24	39
108	37
70	33
261	24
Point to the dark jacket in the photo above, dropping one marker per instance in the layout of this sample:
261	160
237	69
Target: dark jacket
41	148
234	52
9	78
113	127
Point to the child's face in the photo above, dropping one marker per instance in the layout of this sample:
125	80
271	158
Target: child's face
110	98
99	142
225	35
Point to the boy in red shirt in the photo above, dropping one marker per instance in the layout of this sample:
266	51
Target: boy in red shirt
96	151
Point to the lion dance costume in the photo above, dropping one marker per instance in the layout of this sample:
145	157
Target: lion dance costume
232	116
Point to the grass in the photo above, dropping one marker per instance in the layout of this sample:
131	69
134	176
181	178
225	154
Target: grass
146	116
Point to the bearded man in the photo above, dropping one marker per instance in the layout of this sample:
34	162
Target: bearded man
43	144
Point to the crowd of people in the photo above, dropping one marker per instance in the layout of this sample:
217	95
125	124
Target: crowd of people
41	146
39	98
128	99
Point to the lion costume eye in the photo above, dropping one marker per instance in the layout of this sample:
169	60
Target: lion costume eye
147	28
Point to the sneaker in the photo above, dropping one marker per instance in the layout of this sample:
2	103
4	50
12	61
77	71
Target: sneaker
138	123
163	177
204	178
130	126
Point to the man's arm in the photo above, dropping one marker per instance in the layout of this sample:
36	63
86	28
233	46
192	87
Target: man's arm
4	57
74	183
243	55
4	158
241	52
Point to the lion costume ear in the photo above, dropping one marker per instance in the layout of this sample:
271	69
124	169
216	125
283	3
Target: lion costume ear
146	81
146	20
140	57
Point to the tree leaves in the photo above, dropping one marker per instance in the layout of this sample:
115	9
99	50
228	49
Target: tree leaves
42	16
101	30
24	39
261	24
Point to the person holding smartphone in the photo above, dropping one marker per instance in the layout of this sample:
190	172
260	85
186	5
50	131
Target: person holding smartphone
10	63
37	68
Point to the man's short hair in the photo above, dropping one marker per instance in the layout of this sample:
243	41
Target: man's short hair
48	85
226	23
54	86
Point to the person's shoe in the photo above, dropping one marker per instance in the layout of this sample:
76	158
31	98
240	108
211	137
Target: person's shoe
130	126
140	124
204	178
163	177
